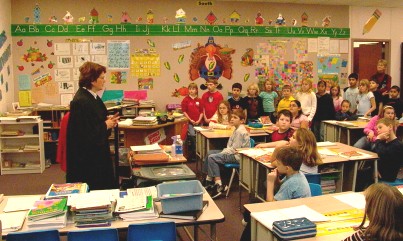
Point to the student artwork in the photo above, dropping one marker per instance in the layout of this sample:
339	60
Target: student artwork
247	57
118	77
42	79
167	65
165	20
246	77
326	21
66	87
181	58
211	18
37	14
94	16
34	55
330	79
234	17
109	18
53	19
150	43
139	19
145	83
150	16
49	43
208	62
36	71
259	20
300	47
125	19
180	16
306	69
20	43
68	18
270	22
145	62
280	21
371	21
304	20
182	91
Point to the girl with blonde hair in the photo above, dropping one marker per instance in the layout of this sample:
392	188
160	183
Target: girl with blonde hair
307	98
222	117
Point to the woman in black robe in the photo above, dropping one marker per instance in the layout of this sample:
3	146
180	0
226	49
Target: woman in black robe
88	153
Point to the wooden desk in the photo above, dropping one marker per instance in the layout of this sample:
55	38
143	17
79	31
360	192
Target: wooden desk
321	204
347	132
251	171
211	216
135	135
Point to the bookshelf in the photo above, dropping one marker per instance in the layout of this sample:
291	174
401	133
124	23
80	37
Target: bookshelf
22	148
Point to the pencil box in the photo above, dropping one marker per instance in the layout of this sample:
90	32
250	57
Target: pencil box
296	228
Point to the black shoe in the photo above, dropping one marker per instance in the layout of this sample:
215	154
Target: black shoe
207	184
218	190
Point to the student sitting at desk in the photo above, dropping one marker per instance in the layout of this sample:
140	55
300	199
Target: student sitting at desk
293	185
284	132
389	149
384	209
368	142
239	139
299	120
345	114
221	118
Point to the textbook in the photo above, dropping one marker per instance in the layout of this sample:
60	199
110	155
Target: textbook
65	189
188	215
44	209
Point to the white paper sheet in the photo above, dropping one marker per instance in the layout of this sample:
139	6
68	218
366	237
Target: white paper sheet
268	217
354	199
12	221
325	143
20	203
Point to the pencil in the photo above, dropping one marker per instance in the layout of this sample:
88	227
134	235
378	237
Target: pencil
371	21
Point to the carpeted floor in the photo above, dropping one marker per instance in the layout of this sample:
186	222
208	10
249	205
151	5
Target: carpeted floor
230	230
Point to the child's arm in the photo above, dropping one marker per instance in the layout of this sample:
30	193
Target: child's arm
373	107
273	182
313	107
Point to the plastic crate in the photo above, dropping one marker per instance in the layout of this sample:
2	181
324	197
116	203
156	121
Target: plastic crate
180	196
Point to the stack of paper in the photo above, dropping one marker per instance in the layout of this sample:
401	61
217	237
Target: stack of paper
145	120
48	213
12	222
147	149
137	204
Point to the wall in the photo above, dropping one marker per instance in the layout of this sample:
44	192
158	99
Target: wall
7	84
388	27
165	84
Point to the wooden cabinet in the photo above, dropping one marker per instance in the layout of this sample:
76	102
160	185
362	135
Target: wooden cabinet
22	149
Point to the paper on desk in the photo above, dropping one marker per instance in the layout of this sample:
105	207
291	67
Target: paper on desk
199	128
113	194
20	203
12	221
88	200
143	148
326	152
325	143
255	152
354	199
267	218
358	156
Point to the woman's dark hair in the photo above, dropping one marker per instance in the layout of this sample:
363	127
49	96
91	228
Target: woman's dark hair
90	72
299	106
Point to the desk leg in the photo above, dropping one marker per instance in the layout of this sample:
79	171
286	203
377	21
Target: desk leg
348	139
253	227
196	233
376	170
354	175
213	230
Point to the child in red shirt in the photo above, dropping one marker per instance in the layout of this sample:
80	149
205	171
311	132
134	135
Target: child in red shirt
210	100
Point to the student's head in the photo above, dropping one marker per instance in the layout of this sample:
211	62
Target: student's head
212	84
321	87
381	66
224	109
295	108
253	90
236	90
364	86
394	92
289	157
306	85
305	140
193	89
352	80
385	125
92	76
284	118
387	112
237	117
335	90
384	210
286	91
373	85
269	85
345	106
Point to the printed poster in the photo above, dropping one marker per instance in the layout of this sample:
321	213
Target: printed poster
329	64
118	54
62	75
145	83
145	65
97	48
118	77
155	137
80	48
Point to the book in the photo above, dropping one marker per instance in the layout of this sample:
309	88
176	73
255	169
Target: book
188	215
44	209
65	189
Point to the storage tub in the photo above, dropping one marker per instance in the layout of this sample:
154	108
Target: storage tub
180	196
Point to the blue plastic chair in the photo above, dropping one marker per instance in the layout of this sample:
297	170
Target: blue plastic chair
235	168
156	231
99	234
37	235
316	189
397	182
313	178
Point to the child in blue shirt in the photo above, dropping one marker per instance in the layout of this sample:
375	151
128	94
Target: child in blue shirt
269	98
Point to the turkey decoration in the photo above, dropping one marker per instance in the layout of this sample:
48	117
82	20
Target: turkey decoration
211	61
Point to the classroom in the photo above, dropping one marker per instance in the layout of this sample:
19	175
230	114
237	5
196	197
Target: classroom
153	50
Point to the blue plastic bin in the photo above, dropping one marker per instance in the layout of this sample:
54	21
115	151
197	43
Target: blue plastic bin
180	196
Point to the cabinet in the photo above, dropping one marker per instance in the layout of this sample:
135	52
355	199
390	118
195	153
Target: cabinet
22	149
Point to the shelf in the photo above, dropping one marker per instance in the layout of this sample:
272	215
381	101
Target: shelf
20	137
19	152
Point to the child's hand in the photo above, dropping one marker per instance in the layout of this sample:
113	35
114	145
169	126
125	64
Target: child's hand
272	176
370	135
383	136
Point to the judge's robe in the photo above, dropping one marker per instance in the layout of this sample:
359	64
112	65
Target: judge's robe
88	153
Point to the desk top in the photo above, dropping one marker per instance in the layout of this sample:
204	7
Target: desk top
217	133
177	121
358	124
211	215
321	204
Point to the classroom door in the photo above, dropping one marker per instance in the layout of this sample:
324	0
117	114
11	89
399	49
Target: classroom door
368	56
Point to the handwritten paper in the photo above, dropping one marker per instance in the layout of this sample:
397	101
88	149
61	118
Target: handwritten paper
118	54
312	45
62	75
24	82
323	46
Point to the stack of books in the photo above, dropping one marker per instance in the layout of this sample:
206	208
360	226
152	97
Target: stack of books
48	213
31	148
129	102
137	204
145	121
66	189
328	184
149	153
146	102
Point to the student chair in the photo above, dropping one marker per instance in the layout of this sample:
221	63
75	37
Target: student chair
37	235
397	182
235	169
161	231
313	177
99	234
316	189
